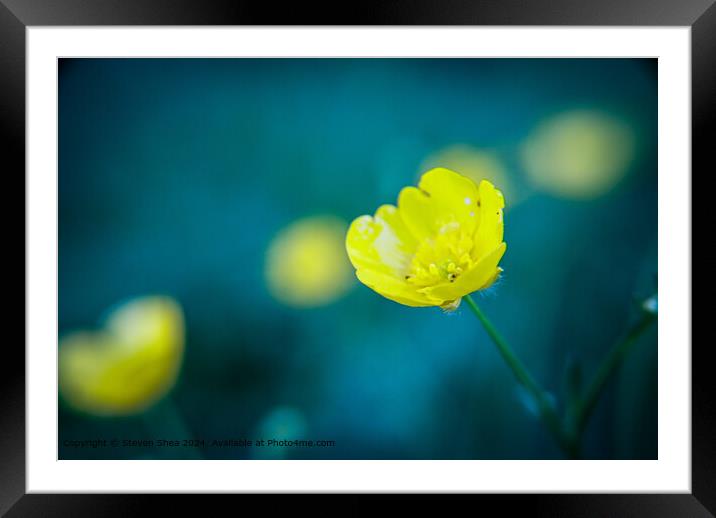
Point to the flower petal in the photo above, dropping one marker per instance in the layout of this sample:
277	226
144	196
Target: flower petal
454	194
490	230
482	275
382	243
395	289
417	212
443	196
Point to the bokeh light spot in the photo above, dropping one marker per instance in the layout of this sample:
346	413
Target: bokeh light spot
306	263
283	423
579	154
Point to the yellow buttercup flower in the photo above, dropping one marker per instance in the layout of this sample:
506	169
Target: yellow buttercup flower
443	241
128	365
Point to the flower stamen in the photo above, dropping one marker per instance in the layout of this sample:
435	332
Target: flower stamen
452	245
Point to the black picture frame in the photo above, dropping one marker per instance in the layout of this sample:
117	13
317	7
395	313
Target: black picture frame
17	15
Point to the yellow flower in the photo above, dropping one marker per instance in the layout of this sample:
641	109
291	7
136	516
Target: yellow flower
442	242
128	365
305	263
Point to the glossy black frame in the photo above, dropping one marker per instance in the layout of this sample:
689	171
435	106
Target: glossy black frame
700	15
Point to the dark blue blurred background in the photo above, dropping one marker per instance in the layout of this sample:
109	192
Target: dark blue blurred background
175	176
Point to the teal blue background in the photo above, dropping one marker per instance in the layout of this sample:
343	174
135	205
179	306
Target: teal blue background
174	175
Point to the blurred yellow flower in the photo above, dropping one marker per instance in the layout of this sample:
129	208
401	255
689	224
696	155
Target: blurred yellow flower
578	154
442	242
477	164
128	365
306	264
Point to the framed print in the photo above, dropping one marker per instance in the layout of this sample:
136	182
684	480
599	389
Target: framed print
397	256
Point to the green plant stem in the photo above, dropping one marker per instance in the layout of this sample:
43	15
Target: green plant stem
546	409
605	372
569	433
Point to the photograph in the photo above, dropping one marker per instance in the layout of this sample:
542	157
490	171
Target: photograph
404	248
422	258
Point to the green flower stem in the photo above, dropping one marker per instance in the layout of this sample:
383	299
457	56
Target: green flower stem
546	409
605	372
569	433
